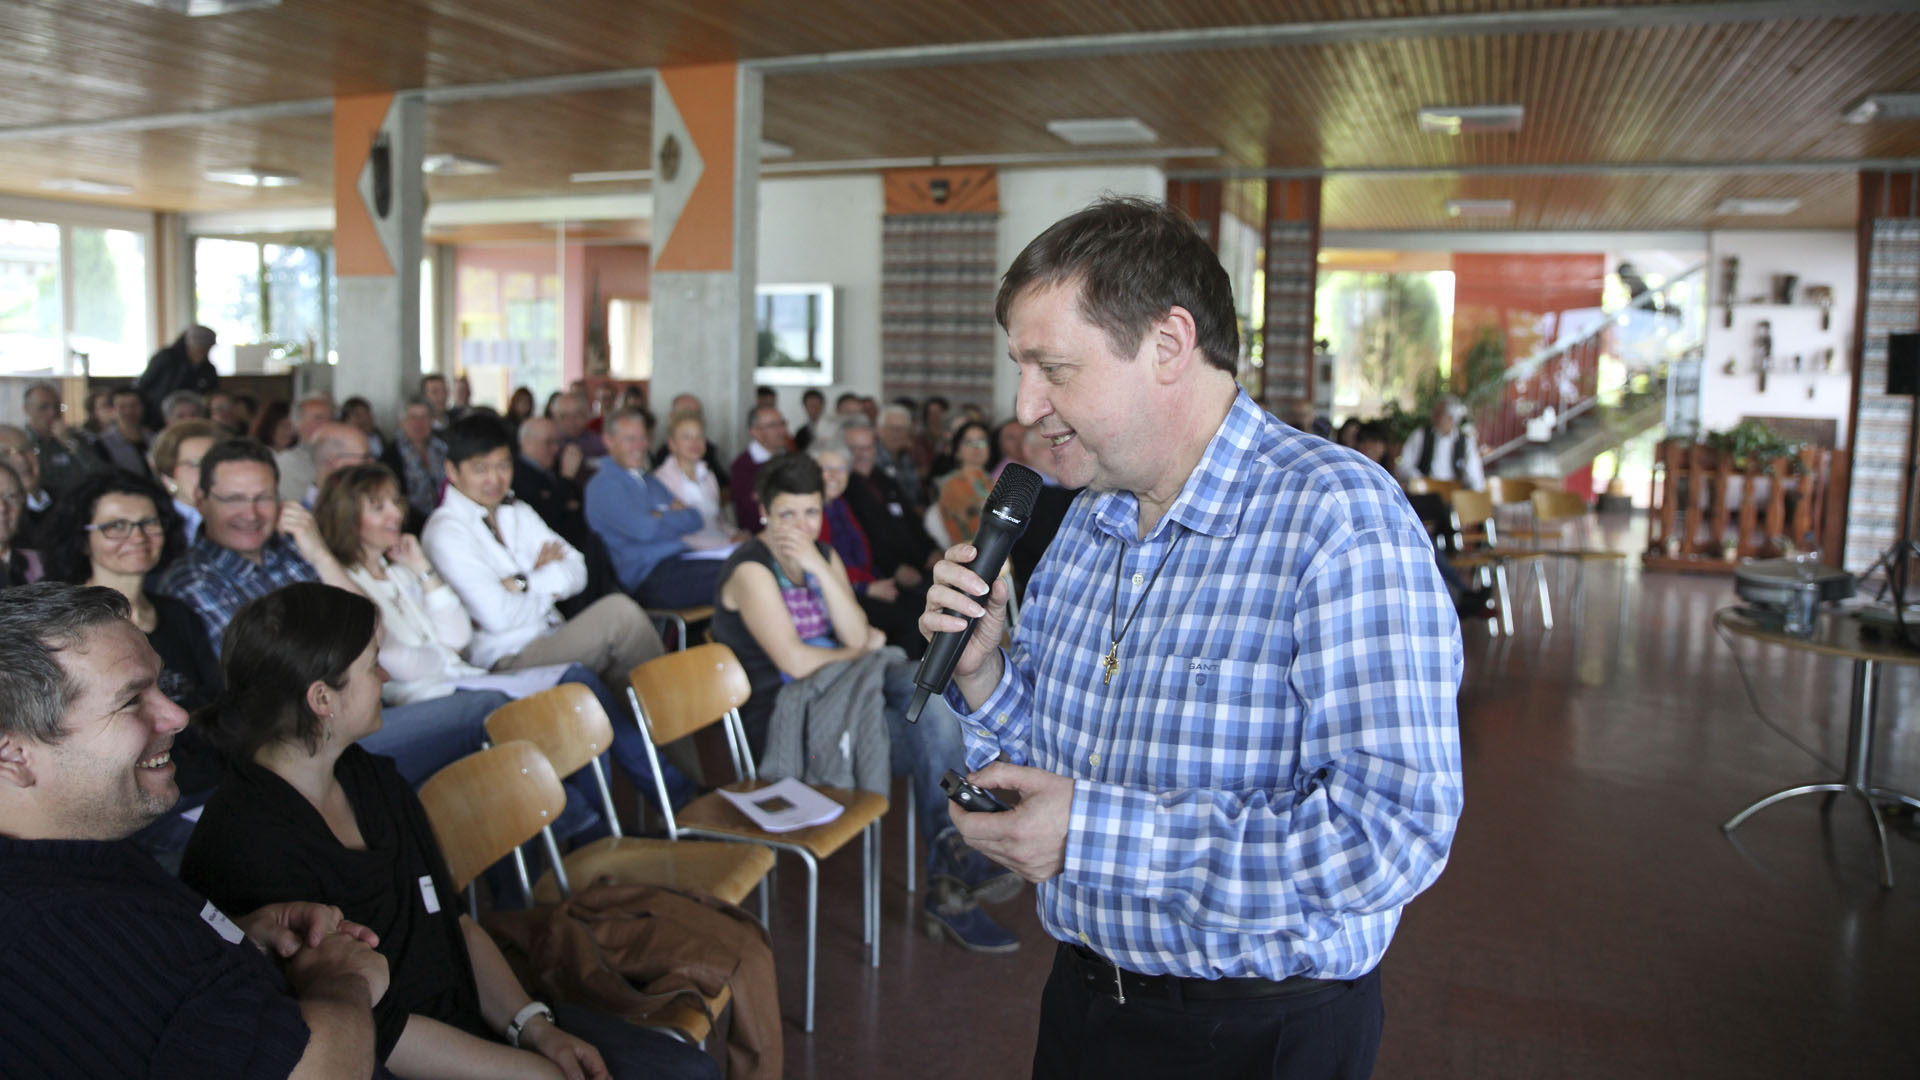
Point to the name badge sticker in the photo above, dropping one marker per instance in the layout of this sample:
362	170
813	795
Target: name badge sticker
428	896
222	925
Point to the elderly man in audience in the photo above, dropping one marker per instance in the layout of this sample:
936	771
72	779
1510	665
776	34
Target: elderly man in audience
125	443
509	569
65	460
418	456
902	550
544	478
570	415
897	458
17	452
182	405
767	432
335	446
251	544
183	365
643	523
122	970
296	462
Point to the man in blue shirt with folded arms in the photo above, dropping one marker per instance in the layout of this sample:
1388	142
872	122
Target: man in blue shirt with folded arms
1228	714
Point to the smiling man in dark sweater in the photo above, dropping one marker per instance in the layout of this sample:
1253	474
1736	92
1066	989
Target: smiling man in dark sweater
108	967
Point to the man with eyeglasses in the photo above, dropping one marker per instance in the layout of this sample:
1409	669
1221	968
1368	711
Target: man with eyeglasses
17	450
768	431
64	460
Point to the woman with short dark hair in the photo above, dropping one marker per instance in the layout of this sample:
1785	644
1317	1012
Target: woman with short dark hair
307	813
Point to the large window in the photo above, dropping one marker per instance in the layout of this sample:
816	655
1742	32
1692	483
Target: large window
270	304
1387	332
110	300
74	290
29	296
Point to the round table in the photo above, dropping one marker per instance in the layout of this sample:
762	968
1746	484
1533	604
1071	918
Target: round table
1838	635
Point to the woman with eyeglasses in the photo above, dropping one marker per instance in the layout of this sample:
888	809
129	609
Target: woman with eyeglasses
18	566
964	492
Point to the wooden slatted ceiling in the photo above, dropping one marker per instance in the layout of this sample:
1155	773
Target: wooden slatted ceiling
1613	202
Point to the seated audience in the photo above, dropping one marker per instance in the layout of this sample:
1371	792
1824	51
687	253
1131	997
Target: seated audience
1349	432
308	811
787	610
65	460
418	456
124	442
643	523
900	455
245	408
335	445
543	478
273	428
296	461
509	569
18	565
570	416
182	405
1009	445
17	453
767	439
358	412
519	406
963	494
1049	511
176	463
894	612
119	969
686	473
898	539
222	409
684	404
99	412
1444	450
251	544
439	399
815	405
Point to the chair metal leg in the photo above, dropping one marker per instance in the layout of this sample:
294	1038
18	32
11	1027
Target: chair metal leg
913	803
1890	795
1506	598
813	926
873	891
1546	602
1880	834
1733	822
866	885
763	889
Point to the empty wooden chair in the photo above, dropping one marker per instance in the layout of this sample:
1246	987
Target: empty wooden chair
681	693
1473	517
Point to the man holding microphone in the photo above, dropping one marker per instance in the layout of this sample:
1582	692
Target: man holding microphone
1228	715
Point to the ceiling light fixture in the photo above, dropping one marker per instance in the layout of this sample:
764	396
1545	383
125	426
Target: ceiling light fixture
1479	208
252	176
74	185
1115	131
457	165
1755	207
197	8
1471	119
610	176
771	149
1905	106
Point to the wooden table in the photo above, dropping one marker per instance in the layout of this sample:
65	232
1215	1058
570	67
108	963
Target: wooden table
1837	635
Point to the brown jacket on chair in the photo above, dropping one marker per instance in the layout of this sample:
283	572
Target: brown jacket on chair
632	950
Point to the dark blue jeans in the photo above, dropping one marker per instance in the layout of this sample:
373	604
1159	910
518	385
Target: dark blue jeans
680	582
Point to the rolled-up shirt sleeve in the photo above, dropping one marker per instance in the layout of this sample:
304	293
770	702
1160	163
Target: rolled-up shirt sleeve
1366	821
1003	725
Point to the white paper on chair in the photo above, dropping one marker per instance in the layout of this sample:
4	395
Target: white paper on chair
784	806
516	684
718	553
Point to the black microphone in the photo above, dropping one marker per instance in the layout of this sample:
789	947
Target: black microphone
1002	521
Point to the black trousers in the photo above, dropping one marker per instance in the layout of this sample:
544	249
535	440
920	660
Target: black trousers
1330	1034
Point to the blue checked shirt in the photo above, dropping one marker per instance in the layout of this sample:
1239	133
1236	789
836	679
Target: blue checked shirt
216	582
1274	770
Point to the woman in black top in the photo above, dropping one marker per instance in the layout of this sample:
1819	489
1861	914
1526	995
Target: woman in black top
305	812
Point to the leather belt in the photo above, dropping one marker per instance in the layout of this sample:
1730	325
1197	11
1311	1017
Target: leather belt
1103	976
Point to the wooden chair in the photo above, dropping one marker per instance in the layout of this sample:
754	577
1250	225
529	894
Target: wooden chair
681	693
1555	507
487	804
1427	485
1518	491
682	620
1473	516
572	730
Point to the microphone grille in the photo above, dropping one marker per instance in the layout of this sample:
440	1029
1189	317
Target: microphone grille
1018	489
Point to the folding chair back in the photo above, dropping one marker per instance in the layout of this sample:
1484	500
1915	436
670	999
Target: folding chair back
487	804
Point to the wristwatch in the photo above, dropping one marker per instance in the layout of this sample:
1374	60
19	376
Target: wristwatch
519	583
526	1014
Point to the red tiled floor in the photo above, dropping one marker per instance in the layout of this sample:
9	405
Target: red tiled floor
1593	922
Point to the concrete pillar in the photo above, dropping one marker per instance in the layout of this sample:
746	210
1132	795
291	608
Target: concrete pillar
706	176
378	205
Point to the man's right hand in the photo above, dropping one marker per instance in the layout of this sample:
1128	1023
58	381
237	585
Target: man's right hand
956	595
338	955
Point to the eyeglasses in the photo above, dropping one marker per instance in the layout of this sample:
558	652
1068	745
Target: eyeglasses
270	498
121	528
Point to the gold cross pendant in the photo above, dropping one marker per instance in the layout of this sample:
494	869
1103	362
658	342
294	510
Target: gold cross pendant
1111	663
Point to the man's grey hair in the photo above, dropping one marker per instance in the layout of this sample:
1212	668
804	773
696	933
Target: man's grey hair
629	415
829	445
202	336
530	425
177	397
856	422
900	411
327	445
37	623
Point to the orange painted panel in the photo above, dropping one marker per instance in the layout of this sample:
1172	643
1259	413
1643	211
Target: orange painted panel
702	239
357	249
1523	296
971	190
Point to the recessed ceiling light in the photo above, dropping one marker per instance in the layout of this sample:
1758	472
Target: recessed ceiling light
1115	131
610	176
1480	208
771	149
76	186
252	176
1883	107
1755	207
198	8
1471	119
457	165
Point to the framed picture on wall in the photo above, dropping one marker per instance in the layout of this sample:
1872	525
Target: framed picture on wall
793	327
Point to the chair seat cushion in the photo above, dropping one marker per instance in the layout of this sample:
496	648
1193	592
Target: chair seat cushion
712	813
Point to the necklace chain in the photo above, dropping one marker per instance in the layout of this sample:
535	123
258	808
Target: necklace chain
1111	663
